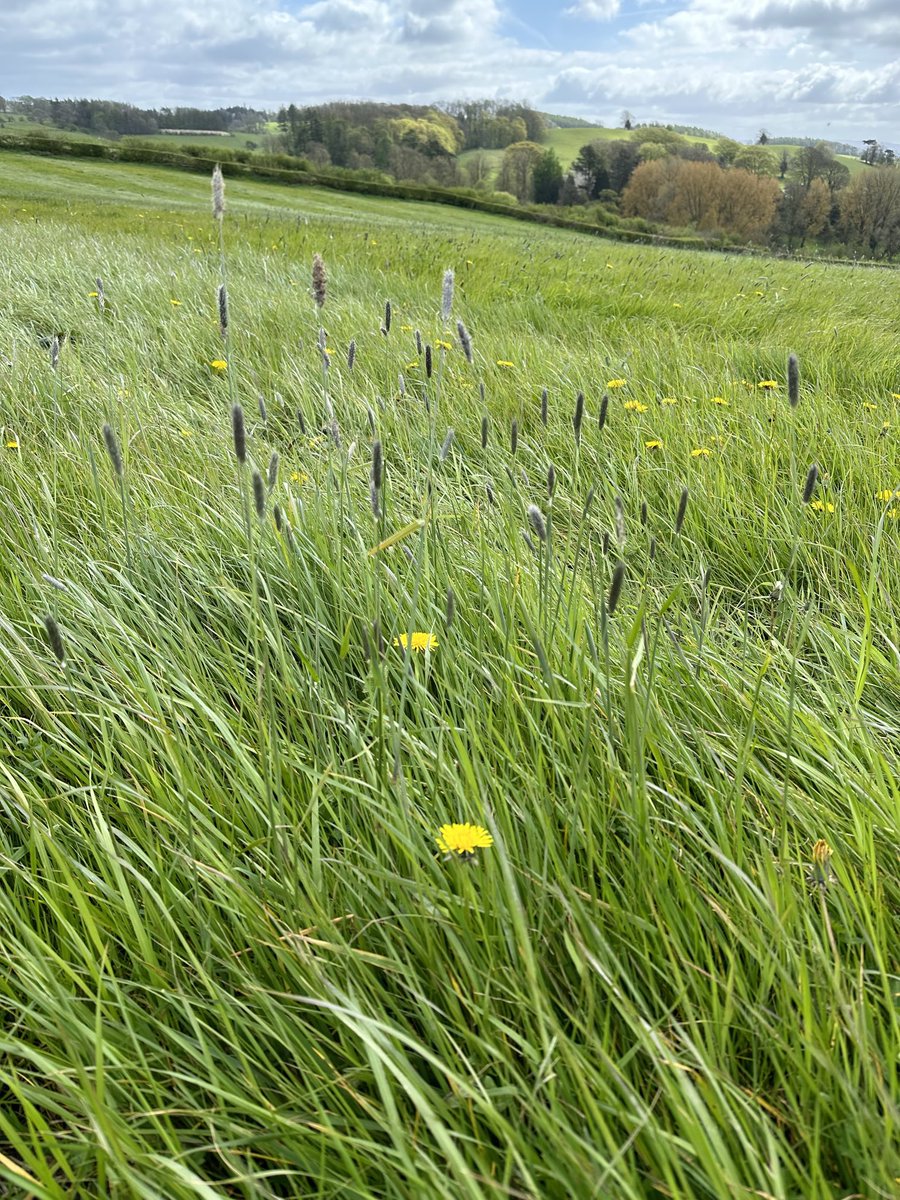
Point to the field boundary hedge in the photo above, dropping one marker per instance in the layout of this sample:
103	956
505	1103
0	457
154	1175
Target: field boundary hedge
179	159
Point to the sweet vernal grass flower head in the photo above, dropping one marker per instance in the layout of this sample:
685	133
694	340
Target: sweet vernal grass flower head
447	295
463	840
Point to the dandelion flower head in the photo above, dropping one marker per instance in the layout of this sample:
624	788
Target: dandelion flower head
420	641
463	839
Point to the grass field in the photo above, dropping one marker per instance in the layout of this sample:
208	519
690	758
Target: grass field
662	670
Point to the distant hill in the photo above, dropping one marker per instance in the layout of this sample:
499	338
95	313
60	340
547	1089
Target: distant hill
555	121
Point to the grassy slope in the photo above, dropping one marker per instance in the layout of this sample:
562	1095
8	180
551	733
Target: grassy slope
236	965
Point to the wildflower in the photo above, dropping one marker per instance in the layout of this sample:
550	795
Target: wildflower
718	400
768	384
635	406
299	477
758	293
219	364
887	495
616	383
503	362
655	444
701	452
94	295
869	406
12	444
822	506
186	433
443	345
411	366
820	874
175	303
675	304
893	513
420	641
463	840
667	400
895	395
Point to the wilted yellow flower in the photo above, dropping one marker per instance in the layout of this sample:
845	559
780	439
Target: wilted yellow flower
411	366
616	383
668	400
820	874
869	406
701	452
887	495
420	641
463	839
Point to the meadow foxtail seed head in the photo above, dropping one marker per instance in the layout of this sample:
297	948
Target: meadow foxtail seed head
259	495
810	486
578	415
464	340
615	587
54	637
544	404
319	280
218	193
222	301
682	509
447	295
238	433
113	450
537	522
793	375
484	432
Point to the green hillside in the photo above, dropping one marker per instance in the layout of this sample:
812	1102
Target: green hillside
417	785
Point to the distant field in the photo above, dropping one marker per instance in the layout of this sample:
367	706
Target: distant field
415	784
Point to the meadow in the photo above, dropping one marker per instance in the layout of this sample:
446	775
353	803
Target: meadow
553	548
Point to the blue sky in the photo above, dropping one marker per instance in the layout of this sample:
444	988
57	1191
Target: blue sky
800	67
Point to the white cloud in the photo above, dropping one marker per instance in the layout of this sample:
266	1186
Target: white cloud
594	10
796	66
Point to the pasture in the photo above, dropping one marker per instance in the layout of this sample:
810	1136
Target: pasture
643	633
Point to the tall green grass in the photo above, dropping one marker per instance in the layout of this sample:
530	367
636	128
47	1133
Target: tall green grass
235	962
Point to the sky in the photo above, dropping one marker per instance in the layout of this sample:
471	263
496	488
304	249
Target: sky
817	68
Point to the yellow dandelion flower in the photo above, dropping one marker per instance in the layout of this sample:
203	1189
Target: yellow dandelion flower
668	400
504	362
420	641
635	406
869	406
895	395
446	345
822	506
893	513
299	477
885	424
701	452
718	400
175	303
675	304
758	293
12	444
463	839
186	433
314	442
655	444
887	495
328	350
93	295
219	364
406	328
768	384
410	366
616	383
